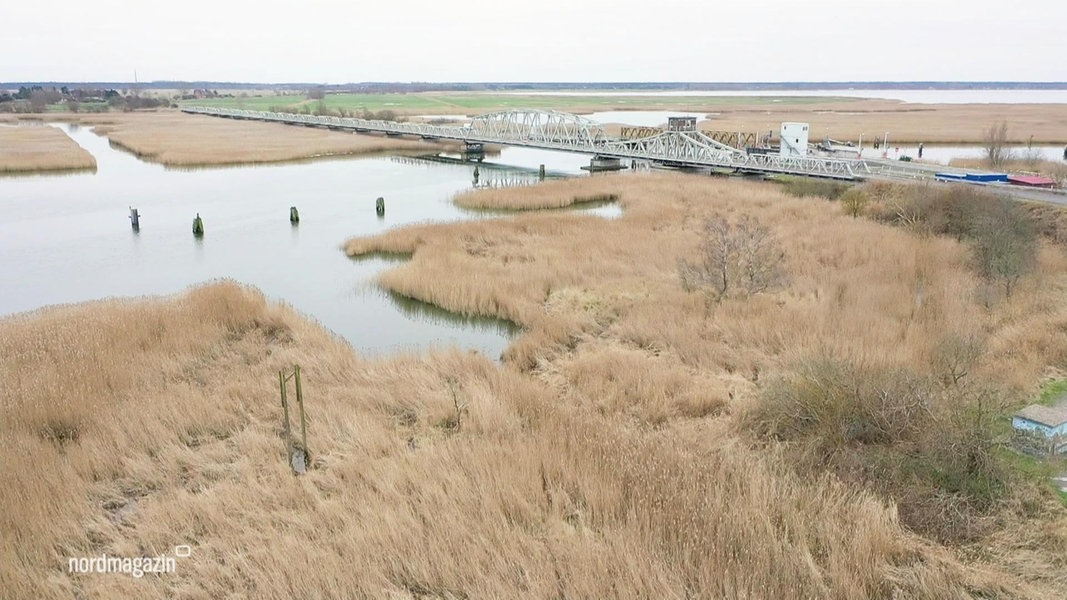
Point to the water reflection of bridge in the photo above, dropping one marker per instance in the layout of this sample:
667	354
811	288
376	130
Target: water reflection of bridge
484	175
552	130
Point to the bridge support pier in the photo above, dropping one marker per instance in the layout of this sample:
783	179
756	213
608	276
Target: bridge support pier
604	163
474	151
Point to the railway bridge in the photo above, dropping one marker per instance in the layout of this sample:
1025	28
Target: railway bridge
554	130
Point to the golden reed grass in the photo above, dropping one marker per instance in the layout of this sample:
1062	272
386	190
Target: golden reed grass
133	426
608	325
601	459
40	148
905	123
178	139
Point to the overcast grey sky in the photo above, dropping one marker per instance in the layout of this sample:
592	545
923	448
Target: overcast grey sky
338	41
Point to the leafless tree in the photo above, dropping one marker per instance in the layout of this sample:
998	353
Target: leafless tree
741	256
996	144
38	101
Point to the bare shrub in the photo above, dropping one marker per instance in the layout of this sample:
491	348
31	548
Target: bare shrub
1001	232
955	356
803	187
831	403
995	142
1005	244
934	451
741	256
854	201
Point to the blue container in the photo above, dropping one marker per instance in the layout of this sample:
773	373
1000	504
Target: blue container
949	177
987	177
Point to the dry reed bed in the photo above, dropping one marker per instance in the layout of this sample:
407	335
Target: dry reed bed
856	287
554	194
905	123
179	139
610	329
611	467
847	119
131	427
41	148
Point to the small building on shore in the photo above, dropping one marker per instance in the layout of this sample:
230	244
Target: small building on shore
1047	422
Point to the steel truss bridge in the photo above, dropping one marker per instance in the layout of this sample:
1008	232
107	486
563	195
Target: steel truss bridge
553	130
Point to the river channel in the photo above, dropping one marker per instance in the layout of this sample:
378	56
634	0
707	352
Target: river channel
67	238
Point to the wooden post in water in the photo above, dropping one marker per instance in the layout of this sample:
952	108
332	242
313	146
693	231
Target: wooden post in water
294	216
198	226
135	219
541	173
379	206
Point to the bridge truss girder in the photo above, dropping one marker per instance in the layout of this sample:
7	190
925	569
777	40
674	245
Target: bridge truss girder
553	130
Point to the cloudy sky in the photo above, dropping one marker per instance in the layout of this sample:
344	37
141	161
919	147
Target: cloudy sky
339	41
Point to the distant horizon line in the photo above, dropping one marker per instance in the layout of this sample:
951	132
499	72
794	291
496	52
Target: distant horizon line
635	85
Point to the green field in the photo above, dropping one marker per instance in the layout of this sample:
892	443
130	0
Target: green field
471	102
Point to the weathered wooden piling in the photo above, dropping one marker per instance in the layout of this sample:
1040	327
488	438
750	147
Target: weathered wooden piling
541	172
476	174
296	451
198	226
135	219
379	206
294	215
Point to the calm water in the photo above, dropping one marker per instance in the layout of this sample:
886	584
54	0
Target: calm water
68	238
641	118
943	154
911	96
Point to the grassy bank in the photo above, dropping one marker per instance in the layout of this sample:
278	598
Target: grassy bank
136	426
27	149
177	139
550	194
610	326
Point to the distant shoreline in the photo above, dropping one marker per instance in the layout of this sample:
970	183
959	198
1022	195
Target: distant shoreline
393	87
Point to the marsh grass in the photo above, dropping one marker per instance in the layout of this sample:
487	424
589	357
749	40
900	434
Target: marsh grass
27	149
803	187
608	455
608	324
187	140
559	193
904	122
838	118
443	475
177	139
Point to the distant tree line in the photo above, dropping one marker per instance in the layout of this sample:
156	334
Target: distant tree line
37	99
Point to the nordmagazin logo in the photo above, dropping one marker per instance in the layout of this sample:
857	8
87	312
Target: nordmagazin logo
136	566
